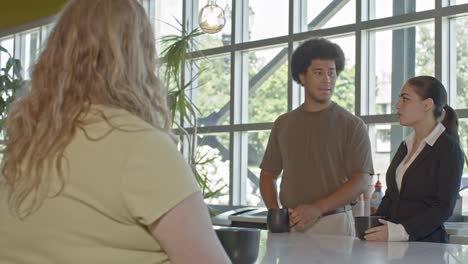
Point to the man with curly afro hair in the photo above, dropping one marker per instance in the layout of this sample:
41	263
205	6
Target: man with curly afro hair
321	150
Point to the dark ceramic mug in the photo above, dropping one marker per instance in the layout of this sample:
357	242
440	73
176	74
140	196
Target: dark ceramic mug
278	220
362	223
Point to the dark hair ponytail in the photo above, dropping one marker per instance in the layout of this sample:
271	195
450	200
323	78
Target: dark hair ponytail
450	122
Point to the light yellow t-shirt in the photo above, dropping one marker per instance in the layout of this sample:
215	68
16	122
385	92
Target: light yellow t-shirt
115	186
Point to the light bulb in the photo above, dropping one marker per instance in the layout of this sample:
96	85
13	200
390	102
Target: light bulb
211	18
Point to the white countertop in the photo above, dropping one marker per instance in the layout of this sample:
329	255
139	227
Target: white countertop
302	248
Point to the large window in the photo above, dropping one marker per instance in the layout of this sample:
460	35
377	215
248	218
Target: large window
247	83
243	81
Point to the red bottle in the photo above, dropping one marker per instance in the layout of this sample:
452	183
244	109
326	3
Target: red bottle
376	196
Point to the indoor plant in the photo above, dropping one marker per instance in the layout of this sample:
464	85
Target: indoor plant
174	58
10	82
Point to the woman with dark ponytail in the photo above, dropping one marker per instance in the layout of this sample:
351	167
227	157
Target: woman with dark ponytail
424	176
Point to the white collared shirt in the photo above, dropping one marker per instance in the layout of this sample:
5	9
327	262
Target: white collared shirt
396	232
429	140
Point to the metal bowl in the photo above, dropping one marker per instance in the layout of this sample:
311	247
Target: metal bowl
241	244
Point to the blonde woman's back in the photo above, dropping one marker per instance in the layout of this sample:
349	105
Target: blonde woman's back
108	186
117	182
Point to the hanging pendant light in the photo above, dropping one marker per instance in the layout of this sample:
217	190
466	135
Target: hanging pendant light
211	18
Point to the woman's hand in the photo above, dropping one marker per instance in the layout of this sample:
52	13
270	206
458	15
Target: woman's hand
378	233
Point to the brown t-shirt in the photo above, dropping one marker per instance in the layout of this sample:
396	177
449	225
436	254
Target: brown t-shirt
317	152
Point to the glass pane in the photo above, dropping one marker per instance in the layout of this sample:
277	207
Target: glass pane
221	38
212	92
328	13
169	84
388	8
385	140
463	133
395	56
8	44
464	195
29	50
267	19
146	5
46	30
257	141
345	89
168	17
213	159
459	56
268	87
458	2
425	49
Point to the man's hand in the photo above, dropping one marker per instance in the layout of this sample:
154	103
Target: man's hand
378	233
304	215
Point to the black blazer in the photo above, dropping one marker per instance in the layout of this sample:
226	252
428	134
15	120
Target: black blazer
429	190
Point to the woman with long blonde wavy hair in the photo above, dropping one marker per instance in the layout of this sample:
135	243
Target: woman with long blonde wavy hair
90	173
